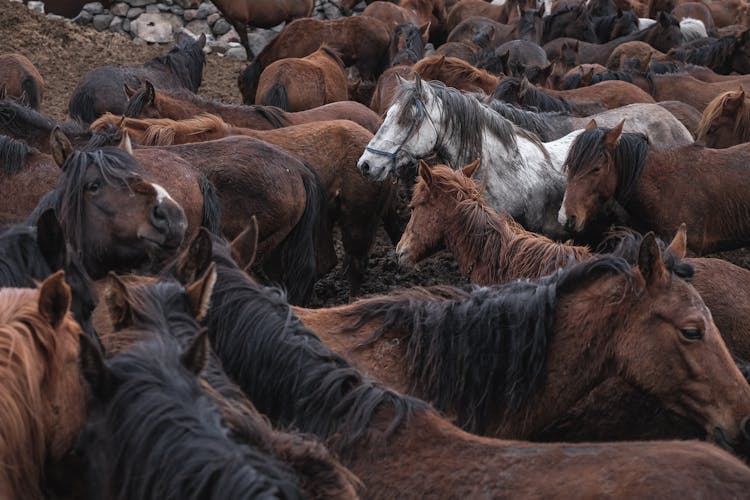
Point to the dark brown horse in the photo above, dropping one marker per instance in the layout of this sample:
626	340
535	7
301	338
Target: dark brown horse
361	42
44	402
102	89
726	55
379	433
181	105
297	84
261	14
605	165
726	120
20	79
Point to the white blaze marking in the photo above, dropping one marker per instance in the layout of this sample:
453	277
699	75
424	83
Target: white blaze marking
161	194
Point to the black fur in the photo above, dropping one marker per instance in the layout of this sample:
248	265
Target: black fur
277	96
13	155
509	89
211	218
28	85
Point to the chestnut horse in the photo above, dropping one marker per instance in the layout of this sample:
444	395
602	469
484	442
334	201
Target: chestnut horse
361	41
606	165
44	402
297	84
148	102
296	380
726	120
102	89
261	14
19	77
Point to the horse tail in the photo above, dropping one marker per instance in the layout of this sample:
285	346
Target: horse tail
211	218
81	107
300	253
277	96
29	86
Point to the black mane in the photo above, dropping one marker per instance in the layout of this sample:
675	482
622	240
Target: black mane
287	372
186	60
181	450
574	81
13	154
480	352
537	122
509	90
712	55
629	157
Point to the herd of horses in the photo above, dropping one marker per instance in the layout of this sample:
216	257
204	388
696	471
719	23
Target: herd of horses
158	250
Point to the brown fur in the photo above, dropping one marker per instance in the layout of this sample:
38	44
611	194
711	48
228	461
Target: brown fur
470	8
725	121
456	73
633	55
609	94
20	78
695	10
43	400
729	12
685	113
308	82
685	88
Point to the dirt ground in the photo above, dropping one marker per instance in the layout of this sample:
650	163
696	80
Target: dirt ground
64	52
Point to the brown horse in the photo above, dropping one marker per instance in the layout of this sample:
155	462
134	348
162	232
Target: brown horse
448	210
361	42
478	8
726	120
690	90
20	78
44	402
261	14
605	165
297	380
729	12
634	56
428	13
297	84
181	105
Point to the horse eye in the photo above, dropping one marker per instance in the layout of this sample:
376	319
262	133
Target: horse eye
93	187
596	170
692	333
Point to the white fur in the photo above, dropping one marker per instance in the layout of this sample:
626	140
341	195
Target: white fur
162	194
562	217
692	29
645	22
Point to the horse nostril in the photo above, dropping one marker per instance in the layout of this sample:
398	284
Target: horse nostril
745	425
571	222
365	167
159	217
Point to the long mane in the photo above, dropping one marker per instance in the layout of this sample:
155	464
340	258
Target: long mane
509	91
185	60
13	154
715	109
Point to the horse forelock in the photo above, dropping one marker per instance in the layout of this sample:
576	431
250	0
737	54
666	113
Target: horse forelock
715	109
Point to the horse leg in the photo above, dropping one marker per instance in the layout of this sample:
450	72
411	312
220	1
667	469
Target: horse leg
241	29
358	231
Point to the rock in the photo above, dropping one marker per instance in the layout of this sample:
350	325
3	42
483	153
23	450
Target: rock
134	12
237	53
119	9
101	21
94	8
116	24
126	25
177	10
84	17
55	17
221	27
188	4
156	28
259	38
190	14
139	3
152	9
139	41
198	26
162	7
36	6
204	11
229	37
213	18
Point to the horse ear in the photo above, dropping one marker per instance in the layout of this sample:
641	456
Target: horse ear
3	92
94	369
128	91
586	77
24	100
199	293
245	245
504	58
117	297
425	31
540	12
195	357
523	87
50	239
612	137
202	40
470	169
425	173
544	72
650	262
678	247
61	146
619	12
591	125
126	144
54	299
197	259
664	19
150	92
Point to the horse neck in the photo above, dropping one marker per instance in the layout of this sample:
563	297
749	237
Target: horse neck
22	434
182	109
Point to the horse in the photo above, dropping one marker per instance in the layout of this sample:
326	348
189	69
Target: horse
265	14
407	44
297	84
102	89
332	149
608	94
573	22
425	13
633	56
685	113
19	77
110	211
662	35
606	165
690	90
725	121
698	13
610	27
591	74
429	118
726	55
44	403
456	73
517	58
298	381
477	8
487	34
147	102
663	130
361	42
730	12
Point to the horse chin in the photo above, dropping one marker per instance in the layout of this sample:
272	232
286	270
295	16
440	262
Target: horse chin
158	243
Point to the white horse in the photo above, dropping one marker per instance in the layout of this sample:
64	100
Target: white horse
522	175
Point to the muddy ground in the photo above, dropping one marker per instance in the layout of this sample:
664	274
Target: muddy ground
64	52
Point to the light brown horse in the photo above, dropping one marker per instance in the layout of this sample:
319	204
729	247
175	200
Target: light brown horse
605	164
297	84
685	88
429	13
43	400
726	120
179	105
261	14
469	8
19	78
